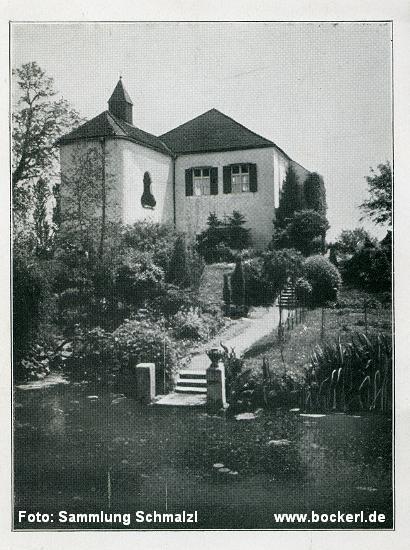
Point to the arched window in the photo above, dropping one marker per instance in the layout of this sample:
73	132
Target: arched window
147	199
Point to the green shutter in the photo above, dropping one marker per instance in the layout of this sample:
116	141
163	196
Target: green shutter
214	180
227	179
253	178
189	185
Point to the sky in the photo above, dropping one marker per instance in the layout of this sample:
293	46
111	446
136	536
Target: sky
320	91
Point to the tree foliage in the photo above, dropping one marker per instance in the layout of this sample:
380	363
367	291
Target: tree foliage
178	267
220	241
38	120
42	227
314	194
305	232
290	198
379	205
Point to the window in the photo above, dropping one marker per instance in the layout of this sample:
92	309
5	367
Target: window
202	181
240	178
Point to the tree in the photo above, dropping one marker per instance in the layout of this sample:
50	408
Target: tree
38	120
314	194
238	235
305	232
290	198
178	267
238	284
379	205
42	228
86	186
351	239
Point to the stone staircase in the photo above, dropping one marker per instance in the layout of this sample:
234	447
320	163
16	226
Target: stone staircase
191	381
190	390
287	298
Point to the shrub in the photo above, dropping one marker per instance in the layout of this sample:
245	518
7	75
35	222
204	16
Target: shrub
33	301
138	277
220	241
154	238
254	388
324	278
258	289
146	342
189	324
94	355
171	299
369	268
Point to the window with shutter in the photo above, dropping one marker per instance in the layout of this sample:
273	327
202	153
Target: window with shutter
240	178
201	181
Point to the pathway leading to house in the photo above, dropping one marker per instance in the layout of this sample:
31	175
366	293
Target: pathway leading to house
191	385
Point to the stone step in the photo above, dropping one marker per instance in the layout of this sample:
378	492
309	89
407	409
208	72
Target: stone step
190	382
181	400
192	374
190	389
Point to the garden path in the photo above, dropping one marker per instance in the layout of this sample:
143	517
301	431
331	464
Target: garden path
260	322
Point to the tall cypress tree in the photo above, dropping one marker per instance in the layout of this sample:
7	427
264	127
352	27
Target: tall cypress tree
238	284
314	194
178	267
290	198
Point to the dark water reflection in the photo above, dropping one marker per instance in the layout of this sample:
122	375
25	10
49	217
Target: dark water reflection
78	453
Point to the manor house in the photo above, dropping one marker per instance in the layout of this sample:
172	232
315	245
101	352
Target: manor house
210	164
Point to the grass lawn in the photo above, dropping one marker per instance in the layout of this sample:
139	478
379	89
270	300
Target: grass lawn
339	322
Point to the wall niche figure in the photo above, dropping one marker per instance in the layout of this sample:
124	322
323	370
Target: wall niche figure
147	199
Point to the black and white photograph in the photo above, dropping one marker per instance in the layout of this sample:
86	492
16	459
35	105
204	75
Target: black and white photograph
202	275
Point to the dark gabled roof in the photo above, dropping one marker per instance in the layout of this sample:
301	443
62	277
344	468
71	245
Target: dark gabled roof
212	131
120	93
108	125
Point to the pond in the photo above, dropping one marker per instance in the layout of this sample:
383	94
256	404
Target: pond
84	449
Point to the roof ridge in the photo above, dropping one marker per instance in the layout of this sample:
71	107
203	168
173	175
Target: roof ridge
188	121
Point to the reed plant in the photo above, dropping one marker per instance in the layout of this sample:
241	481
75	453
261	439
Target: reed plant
353	375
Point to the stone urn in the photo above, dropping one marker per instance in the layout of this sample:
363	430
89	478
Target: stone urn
215	355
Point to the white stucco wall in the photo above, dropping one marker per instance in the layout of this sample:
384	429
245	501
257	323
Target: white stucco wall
135	161
258	208
126	163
